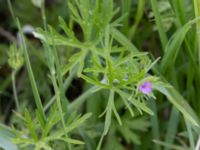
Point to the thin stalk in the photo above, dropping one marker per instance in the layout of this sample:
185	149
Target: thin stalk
108	117
31	76
59	90
66	86
14	89
44	16
11	11
55	60
28	65
57	94
60	81
191	138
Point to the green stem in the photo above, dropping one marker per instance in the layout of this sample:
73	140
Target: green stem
55	60
44	16
11	10
31	76
191	138
60	81
66	86
59	90
57	94
14	90
108	118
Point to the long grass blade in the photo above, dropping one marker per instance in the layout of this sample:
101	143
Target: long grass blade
172	127
162	34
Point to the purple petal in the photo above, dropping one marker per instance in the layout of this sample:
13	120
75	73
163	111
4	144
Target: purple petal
146	87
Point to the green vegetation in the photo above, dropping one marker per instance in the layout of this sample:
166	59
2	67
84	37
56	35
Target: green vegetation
99	74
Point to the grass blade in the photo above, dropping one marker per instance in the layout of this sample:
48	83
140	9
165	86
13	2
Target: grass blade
173	47
162	34
155	123
179	102
172	127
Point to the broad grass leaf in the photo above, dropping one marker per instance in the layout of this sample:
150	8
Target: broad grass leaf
172	127
178	101
173	47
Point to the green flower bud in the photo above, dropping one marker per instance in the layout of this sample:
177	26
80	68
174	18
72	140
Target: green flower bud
15	59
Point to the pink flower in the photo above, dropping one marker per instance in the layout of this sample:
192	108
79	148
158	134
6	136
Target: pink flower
146	87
